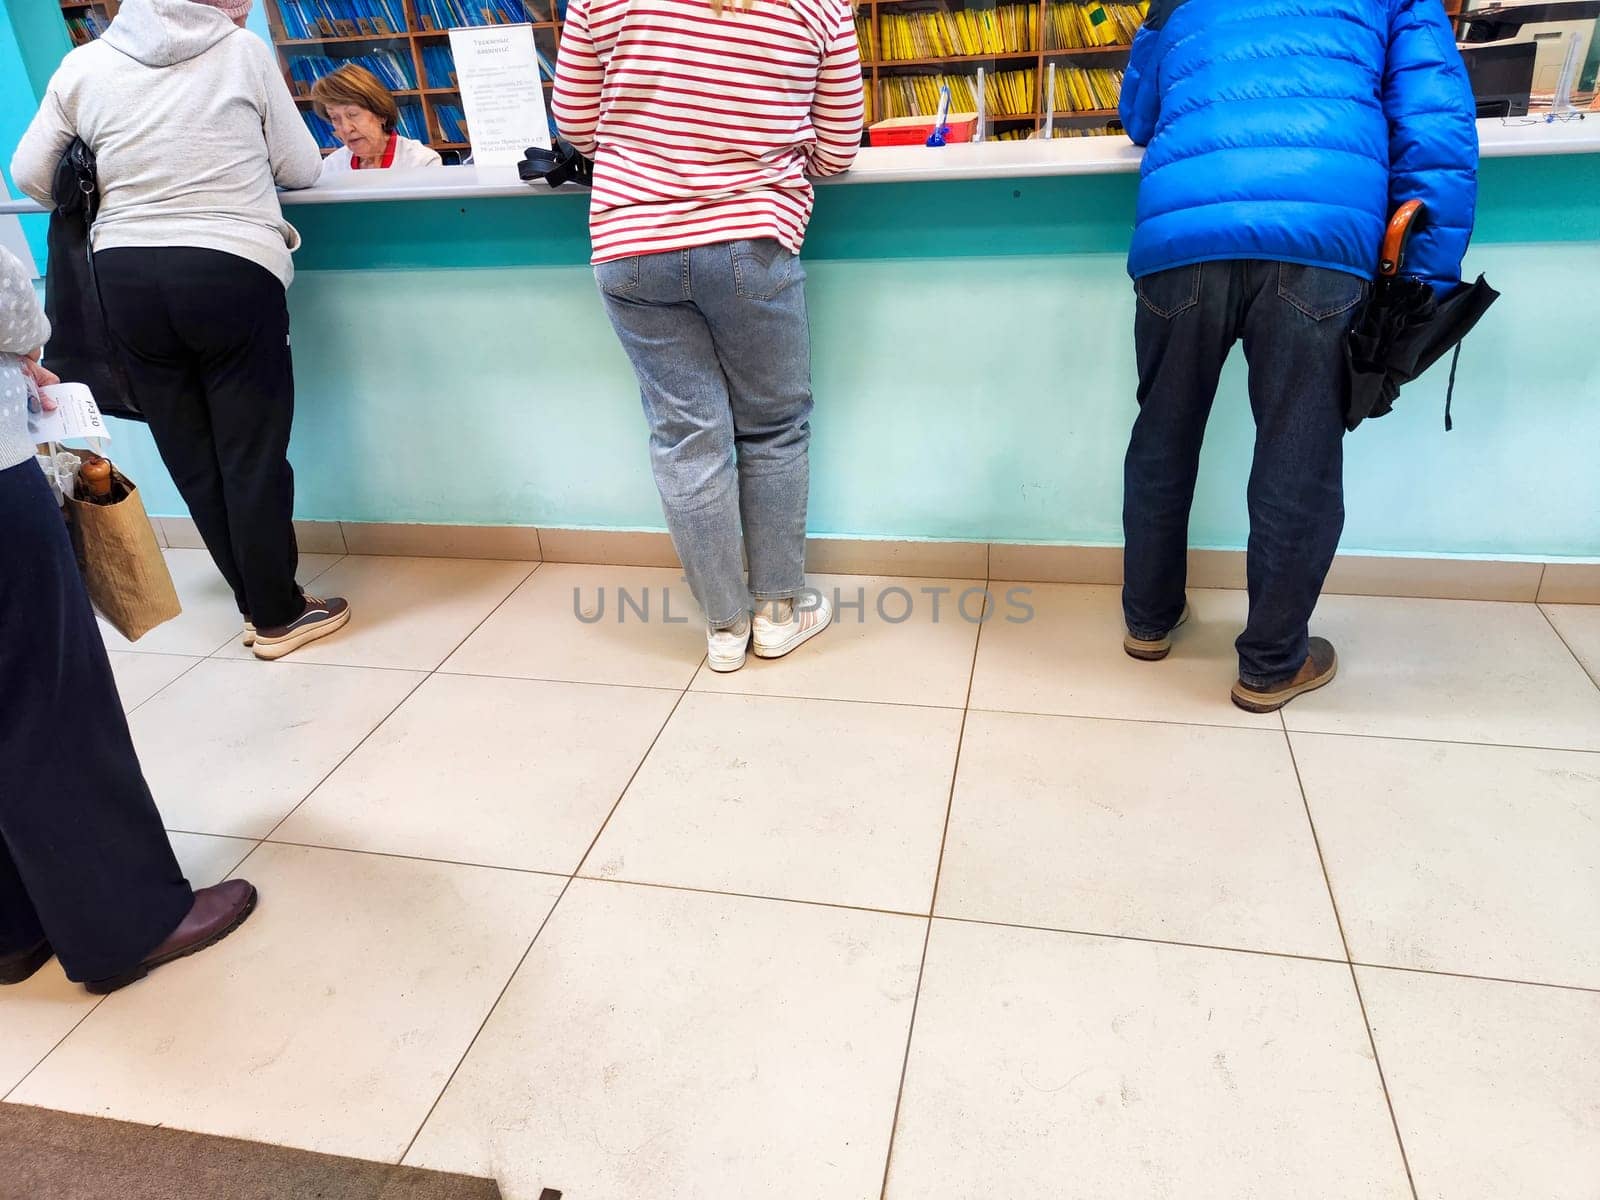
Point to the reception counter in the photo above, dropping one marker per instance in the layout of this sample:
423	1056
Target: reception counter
972	354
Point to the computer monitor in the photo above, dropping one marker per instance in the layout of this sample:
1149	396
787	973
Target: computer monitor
1502	77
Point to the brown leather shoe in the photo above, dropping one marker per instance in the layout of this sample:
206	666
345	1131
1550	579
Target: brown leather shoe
1321	665
1153	649
15	968
216	913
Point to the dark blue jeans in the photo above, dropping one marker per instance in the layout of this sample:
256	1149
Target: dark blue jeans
83	858
1293	321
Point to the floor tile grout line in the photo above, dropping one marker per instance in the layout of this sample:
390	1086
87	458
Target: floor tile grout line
1389	737
1284	725
643	687
337	559
796	900
1142	939
533	569
417	858
728	690
76	1025
1355	981
1594	678
565	887
345	757
164	686
1383	1079
805	902
622	792
1467	975
410	692
933	907
484	1024
1544	569
289	661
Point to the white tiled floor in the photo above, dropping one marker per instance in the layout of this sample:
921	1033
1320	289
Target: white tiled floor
140	676
1179	832
675	1045
1048	1064
1138	983
1496	1087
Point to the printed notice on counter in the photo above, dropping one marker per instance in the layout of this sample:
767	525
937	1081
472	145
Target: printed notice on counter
497	69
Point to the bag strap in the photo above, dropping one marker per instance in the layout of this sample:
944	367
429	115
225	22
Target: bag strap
1450	392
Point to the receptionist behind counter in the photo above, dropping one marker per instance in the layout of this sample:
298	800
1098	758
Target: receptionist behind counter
365	118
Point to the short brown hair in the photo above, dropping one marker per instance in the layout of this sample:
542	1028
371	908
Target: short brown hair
351	84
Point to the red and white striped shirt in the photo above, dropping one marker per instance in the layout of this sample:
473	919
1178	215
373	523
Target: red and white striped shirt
704	128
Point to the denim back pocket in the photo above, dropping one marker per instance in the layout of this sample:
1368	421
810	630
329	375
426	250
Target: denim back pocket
1318	292
762	268
619	277
1168	293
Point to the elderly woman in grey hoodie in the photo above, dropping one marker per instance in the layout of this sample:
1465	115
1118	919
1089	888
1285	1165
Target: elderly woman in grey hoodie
86	871
193	130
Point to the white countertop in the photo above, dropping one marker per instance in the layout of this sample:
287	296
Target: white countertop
1516	137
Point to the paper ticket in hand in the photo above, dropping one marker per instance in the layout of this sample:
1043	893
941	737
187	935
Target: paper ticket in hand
76	416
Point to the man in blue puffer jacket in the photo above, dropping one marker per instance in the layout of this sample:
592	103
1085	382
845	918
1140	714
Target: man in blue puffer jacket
1281	135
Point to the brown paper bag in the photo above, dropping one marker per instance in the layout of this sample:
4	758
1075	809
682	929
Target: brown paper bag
122	564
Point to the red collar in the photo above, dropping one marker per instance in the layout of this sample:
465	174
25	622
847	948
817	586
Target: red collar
388	155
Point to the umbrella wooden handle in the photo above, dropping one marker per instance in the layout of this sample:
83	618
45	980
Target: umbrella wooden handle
1401	226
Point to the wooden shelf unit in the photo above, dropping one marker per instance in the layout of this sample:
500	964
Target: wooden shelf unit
542	15
73	10
876	68
429	93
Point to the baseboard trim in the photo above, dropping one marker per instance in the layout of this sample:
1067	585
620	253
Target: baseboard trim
1553	582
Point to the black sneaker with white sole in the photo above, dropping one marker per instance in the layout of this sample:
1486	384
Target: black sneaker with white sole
320	618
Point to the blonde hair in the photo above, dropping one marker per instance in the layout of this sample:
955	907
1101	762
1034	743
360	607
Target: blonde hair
352	84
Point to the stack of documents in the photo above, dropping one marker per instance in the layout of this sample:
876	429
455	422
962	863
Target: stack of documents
1081	90
1007	93
1077	25
1008	29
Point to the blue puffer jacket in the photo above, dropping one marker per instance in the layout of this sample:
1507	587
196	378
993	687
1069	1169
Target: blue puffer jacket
1289	130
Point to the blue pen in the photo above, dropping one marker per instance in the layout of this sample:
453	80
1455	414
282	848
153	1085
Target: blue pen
941	129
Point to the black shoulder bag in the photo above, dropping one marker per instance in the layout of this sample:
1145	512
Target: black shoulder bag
80	349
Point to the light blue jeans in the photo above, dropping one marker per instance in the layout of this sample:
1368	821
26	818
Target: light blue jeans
720	342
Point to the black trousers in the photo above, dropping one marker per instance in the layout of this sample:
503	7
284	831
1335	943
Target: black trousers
84	860
205	336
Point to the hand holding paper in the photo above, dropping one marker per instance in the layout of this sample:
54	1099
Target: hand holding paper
38	377
66	411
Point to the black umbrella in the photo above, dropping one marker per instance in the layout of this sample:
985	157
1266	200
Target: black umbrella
1406	327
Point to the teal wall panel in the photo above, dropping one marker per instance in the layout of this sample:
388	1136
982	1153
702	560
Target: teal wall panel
972	361
33	38
956	398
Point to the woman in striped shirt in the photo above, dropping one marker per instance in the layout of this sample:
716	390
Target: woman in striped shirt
704	124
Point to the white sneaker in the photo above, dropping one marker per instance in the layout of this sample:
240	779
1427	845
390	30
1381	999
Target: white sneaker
784	630
725	648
